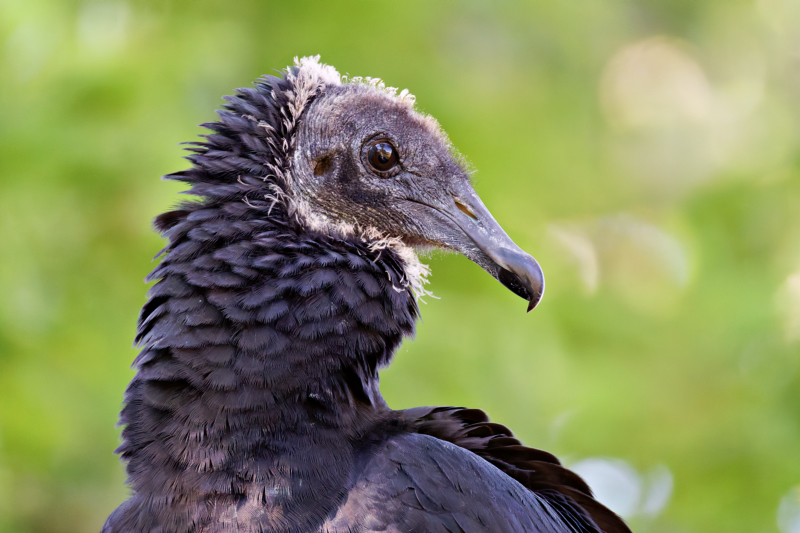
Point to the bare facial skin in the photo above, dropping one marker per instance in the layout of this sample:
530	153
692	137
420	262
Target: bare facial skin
365	159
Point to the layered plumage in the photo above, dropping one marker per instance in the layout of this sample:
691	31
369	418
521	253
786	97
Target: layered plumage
282	291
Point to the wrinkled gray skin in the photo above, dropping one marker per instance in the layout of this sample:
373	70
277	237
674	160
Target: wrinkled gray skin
417	200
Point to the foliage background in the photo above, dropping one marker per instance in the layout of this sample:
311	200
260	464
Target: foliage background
645	152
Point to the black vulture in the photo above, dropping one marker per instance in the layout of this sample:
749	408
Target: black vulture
285	286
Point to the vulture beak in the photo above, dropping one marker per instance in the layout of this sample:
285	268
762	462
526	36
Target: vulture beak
515	269
489	246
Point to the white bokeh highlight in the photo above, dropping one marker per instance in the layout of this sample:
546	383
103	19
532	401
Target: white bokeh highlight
620	487
789	512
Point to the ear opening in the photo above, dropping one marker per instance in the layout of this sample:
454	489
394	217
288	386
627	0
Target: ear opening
323	165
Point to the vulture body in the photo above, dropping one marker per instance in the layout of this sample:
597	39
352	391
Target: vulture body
282	291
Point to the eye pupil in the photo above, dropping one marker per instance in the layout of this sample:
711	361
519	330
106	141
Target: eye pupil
382	156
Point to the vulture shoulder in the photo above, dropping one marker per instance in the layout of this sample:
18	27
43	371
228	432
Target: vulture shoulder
452	470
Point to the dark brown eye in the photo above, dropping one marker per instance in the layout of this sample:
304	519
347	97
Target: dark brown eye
382	156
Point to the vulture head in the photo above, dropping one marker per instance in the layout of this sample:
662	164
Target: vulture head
365	158
359	160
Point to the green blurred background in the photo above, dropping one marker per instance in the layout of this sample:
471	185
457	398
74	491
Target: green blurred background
646	152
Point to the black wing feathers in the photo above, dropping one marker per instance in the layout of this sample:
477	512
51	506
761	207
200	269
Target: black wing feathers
415	482
537	470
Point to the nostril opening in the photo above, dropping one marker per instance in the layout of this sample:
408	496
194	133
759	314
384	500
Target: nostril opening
464	209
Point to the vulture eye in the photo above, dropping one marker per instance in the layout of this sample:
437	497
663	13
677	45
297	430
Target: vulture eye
382	156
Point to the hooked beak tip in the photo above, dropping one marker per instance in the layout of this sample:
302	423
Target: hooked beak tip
522	274
536	288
